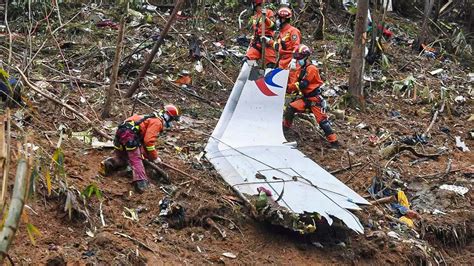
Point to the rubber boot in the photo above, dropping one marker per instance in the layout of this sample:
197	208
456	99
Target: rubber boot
329	133
141	185
107	167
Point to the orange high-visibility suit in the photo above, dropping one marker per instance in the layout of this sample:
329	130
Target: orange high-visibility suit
288	40
130	136
149	130
308	82
254	52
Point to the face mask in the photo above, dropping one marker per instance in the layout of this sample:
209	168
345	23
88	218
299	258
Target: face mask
302	62
167	119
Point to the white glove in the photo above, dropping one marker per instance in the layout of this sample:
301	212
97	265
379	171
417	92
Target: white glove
324	105
293	64
157	160
265	39
264	11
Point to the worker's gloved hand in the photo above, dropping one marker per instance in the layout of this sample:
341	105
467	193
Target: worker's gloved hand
264	11
265	39
297	85
324	105
293	64
157	160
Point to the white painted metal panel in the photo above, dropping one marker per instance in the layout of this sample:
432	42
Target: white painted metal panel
248	139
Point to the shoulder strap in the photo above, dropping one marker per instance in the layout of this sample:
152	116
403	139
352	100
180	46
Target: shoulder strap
302	73
145	117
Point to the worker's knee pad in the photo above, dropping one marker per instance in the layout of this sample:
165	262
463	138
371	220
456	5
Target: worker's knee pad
326	127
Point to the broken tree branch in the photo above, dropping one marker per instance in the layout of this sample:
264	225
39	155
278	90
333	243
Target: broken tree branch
189	93
32	58
138	242
160	171
220	70
10	38
58	102
176	169
345	168
213	224
383	200
16	204
155	49
435	116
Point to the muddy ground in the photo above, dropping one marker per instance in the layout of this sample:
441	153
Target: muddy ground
82	239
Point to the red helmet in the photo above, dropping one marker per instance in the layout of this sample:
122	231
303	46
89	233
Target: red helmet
259	2
172	111
301	52
284	12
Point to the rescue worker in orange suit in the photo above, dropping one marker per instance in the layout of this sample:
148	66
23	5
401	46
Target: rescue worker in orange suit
288	39
135	141
308	83
254	52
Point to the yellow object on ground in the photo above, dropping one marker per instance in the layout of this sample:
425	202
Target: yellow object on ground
402	199
407	221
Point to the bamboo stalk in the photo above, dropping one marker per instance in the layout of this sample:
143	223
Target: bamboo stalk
16	205
5	153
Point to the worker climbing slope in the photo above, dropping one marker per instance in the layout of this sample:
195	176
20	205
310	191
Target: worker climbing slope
135	141
288	39
254	52
308	85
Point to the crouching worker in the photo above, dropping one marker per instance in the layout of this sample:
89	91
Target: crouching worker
135	141
307	82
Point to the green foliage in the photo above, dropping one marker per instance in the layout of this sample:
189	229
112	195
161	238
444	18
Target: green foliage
32	231
58	162
352	10
385	62
33	177
231	3
92	190
47	177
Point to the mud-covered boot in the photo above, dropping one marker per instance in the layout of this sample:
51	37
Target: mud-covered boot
106	167
141	185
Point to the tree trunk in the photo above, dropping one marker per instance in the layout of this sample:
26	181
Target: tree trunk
423	35
322	10
436	13
357	58
471	19
115	69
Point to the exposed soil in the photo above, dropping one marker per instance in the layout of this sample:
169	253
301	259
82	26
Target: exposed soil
446	237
